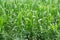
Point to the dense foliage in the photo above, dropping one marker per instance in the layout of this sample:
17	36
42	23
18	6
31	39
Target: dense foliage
29	19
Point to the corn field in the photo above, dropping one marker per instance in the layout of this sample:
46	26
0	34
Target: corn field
29	19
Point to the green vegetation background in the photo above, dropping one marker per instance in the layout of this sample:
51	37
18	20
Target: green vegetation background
29	19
